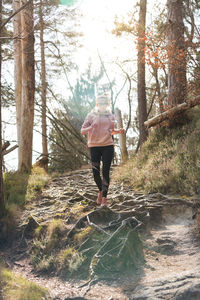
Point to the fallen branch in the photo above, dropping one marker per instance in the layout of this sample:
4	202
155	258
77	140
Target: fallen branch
172	112
10	150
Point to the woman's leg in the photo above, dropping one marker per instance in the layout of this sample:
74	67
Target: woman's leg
95	154
107	157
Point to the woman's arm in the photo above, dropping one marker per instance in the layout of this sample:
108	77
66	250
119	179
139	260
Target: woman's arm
85	129
118	131
87	126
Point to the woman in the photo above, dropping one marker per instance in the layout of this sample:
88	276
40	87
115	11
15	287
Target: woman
99	124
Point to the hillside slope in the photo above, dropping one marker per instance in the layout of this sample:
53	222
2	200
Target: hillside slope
169	161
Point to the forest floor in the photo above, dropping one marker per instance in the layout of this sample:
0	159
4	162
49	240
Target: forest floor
170	238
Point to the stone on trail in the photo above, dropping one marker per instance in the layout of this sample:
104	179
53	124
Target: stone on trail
113	245
123	251
189	293
30	226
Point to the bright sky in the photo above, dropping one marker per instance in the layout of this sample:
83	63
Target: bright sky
98	23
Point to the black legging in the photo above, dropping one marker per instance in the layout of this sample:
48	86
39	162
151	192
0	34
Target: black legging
106	153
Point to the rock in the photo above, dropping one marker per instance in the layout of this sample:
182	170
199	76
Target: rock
123	251
189	293
30	227
166	248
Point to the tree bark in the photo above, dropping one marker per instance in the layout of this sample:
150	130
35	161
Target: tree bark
17	32
44	92
176	53
122	137
141	87
171	113
28	89
2	202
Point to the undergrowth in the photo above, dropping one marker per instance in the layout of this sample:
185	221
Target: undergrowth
20	188
15	287
50	253
169	161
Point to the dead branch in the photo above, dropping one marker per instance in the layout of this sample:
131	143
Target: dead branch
172	112
10	150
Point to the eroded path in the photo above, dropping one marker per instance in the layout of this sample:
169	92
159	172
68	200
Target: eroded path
171	242
172	269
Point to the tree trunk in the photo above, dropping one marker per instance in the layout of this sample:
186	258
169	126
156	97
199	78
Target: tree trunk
142	105
28	89
122	137
17	31
44	92
176	53
2	203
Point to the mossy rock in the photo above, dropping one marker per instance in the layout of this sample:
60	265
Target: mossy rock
122	252
108	249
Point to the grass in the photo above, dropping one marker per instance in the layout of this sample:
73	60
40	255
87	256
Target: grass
47	242
55	232
69	260
169	161
77	210
80	236
36	181
20	188
15	287
50	253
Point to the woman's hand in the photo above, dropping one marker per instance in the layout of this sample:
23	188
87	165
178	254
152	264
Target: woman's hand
120	131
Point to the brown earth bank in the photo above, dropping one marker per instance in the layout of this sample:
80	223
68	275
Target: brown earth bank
143	246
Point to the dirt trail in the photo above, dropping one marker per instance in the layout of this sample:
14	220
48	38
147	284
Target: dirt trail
172	269
171	244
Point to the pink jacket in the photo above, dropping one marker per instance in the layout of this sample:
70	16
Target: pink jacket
99	128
